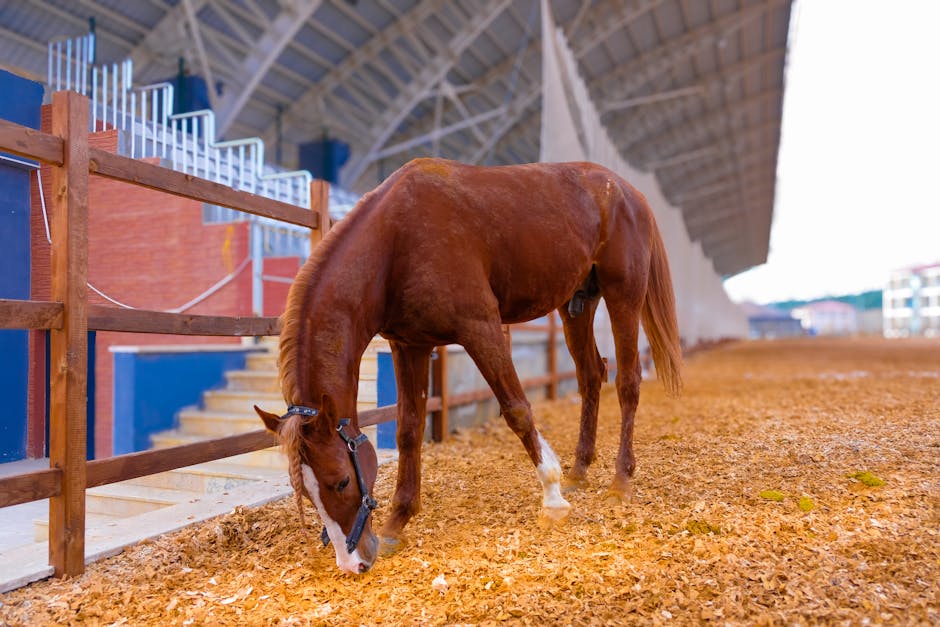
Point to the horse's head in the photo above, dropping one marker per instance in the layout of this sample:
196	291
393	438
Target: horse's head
334	466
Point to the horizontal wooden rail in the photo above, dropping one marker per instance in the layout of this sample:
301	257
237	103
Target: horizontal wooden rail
30	314
30	486
120	168
133	465
30	143
42	484
105	318
530	326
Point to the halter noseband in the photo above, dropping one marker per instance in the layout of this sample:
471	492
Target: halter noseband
368	503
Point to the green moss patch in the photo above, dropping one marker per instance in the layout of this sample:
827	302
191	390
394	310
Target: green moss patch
867	478
772	495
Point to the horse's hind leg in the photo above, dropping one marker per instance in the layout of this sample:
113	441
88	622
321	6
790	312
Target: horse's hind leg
487	347
579	335
411	375
625	321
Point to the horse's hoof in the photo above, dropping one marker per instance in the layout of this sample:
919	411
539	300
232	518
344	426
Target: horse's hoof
389	546
615	497
553	517
573	484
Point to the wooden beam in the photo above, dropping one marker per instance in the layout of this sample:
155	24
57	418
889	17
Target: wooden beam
378	415
106	318
439	387
152	176
320	205
30	486
30	314
133	465
68	367
30	143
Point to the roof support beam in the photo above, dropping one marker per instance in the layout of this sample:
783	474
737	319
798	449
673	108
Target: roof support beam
629	103
260	58
436	134
316	98
435	70
166	30
193	22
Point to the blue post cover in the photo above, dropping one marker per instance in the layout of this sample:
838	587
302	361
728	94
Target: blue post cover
387	394
20	100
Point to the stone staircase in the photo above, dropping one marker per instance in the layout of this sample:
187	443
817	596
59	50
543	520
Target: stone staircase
222	412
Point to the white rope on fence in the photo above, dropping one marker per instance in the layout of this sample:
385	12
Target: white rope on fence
185	306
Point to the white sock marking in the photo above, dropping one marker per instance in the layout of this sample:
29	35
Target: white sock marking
549	472
346	561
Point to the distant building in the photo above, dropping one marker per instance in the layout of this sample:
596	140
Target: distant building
769	323
911	302
828	317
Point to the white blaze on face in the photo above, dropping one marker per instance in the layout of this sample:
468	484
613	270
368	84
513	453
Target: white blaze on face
549	472
346	561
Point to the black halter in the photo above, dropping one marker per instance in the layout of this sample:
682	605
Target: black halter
368	503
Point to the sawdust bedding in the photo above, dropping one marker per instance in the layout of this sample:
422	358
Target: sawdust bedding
757	502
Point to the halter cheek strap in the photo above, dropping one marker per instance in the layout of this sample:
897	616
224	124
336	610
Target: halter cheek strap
368	503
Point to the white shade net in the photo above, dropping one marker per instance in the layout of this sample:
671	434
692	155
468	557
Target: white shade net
572	131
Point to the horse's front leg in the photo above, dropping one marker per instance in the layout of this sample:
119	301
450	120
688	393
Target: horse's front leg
411	375
488	348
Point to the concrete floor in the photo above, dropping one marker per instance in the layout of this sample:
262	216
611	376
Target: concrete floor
16	522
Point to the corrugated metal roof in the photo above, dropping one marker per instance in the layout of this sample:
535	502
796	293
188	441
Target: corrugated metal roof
690	90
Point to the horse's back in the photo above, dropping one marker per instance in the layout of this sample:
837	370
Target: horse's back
528	235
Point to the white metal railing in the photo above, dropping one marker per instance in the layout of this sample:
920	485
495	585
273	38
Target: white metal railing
146	114
69	60
187	142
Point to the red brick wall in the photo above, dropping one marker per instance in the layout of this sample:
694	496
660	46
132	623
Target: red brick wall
149	250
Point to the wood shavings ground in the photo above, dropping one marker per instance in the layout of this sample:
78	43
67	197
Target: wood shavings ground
698	544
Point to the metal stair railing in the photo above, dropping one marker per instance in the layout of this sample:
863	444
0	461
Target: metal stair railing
187	140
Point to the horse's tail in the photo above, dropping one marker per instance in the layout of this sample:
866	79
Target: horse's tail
659	317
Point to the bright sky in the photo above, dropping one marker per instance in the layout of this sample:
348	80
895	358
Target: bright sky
859	165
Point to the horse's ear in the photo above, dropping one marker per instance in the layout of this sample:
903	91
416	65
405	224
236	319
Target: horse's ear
271	421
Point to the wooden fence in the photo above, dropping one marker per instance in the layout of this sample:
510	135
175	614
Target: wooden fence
69	316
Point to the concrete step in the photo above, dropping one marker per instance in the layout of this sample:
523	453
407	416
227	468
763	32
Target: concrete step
266	380
219	423
123	499
258	380
261	361
41	525
265	458
241	401
209	477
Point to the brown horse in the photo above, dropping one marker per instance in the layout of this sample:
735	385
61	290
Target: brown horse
445	253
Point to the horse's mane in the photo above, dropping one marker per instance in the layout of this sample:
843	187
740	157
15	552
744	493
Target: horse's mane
296	312
291	432
292	443
291	328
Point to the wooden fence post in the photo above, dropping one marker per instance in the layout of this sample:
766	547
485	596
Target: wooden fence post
439	387
552	357
320	205
68	375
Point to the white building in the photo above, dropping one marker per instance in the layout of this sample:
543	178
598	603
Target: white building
911	302
828	317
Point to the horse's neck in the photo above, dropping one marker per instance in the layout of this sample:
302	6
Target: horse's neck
340	300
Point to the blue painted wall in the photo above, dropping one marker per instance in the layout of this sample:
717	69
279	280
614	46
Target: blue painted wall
386	394
89	397
20	100
150	388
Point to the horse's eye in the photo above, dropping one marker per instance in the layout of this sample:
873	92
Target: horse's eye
342	484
